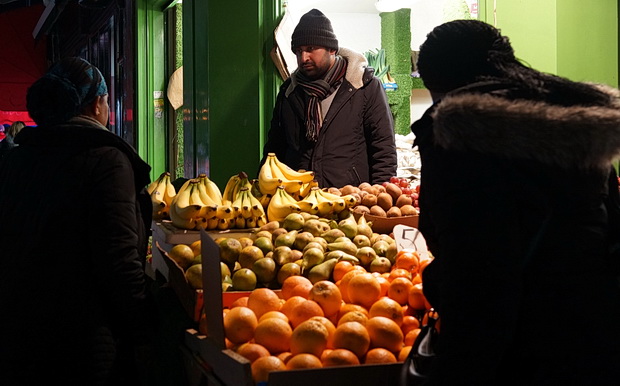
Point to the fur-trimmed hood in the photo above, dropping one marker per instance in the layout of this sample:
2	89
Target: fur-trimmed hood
356	67
575	136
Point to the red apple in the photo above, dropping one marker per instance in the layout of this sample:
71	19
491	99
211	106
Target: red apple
394	179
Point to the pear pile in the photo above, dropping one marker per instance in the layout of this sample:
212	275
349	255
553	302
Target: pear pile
303	244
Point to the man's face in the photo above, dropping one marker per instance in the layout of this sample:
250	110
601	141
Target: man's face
314	61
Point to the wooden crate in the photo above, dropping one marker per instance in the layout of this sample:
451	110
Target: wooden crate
231	369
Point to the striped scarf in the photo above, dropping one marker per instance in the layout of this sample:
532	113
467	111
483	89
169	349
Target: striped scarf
318	90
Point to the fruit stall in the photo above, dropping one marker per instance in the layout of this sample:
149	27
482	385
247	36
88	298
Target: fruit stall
288	282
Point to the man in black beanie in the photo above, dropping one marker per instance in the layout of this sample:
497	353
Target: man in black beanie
332	116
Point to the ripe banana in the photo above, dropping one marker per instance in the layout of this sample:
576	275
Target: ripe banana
180	222
309	204
209	207
267	182
211	189
157	190
183	208
281	206
256	206
326	207
227	195
339	203
290	174
291	186
224	212
305	189
170	190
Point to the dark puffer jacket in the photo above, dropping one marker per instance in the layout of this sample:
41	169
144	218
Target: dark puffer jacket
74	218
356	142
499	173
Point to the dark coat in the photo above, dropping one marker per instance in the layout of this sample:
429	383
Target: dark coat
502	177
356	142
74	218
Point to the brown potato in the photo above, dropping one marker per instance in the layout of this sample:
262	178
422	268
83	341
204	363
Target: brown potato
384	200
408	210
404	199
369	200
376	210
393	212
394	190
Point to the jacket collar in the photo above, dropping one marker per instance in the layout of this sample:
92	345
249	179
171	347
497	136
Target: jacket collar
574	136
356	65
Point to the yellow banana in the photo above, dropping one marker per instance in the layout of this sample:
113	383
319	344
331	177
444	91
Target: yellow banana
209	206
224	212
309	204
212	223
237	204
158	199
181	222
305	189
250	222
170	191
183	208
291	186
211	189
151	187
267	182
264	200
228	189
280	206
240	222
260	221
339	204
246	204
256	206
325	206
225	223
290	174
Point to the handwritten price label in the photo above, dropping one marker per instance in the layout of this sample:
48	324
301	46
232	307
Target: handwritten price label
411	239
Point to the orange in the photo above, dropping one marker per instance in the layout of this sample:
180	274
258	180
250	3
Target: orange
309	337
354	316
364	289
273	314
423	264
404	353
389	308
416	298
385	284
240	324
352	336
242	301
411	335
385	333
399	272
340	269
252	351
325	353
285	356
291	282
340	357
408	260
330	329
379	355
417	279
301	289
344	283
304	361
262	300
399	290
304	311
290	304
274	334
327	295
409	323
348	307
263	366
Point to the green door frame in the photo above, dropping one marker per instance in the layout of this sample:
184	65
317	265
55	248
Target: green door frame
150	114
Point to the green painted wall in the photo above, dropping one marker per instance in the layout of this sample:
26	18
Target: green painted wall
571	38
228	78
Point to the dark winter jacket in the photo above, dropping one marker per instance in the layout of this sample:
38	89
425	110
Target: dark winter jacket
512	207
356	141
5	145
74	219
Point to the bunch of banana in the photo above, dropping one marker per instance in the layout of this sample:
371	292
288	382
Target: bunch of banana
281	205
274	173
186	206
324	204
162	192
249	212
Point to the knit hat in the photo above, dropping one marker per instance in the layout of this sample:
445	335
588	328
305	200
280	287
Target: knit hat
314	29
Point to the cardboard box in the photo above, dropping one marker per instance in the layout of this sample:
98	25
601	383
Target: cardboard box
231	369
170	234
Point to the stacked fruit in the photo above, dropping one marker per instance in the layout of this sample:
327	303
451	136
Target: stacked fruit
162	192
384	200
200	204
353	317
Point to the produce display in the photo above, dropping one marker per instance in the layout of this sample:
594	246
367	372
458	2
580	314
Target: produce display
246	203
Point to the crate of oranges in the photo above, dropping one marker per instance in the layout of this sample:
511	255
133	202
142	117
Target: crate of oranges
358	326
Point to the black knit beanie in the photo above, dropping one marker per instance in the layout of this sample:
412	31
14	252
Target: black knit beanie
314	29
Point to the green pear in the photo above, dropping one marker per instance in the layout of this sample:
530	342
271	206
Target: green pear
270	226
364	227
283	255
322	271
302	239
366	255
286	239
265	269
314	244
342	256
348	226
380	247
331	235
314	226
345	246
293	221
311	257
380	265
361	241
264	243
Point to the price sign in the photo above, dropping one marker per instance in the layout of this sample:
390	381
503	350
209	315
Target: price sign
411	239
